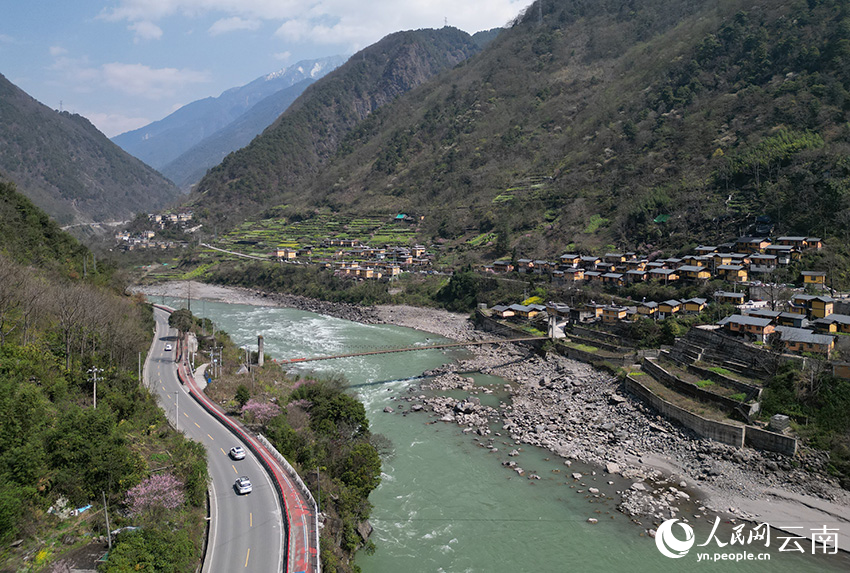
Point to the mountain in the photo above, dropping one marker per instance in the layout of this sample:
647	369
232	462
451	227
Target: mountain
163	141
589	126
68	168
189	167
293	149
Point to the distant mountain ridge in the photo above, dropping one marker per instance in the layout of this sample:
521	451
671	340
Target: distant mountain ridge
64	165
190	166
162	142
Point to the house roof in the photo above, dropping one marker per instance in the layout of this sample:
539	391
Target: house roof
834	318
672	302
813	273
745	320
692	268
500	308
725	294
791	334
764	313
662	271
695	301
730	268
650	304
613	275
809	297
791	239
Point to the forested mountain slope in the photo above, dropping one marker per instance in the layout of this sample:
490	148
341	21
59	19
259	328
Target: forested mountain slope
586	121
70	169
290	152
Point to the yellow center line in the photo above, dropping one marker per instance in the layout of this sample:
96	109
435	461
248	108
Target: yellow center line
251	519
222	451
185	414
210	437
234	469
196	424
247	556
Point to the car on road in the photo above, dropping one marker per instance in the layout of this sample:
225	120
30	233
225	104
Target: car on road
237	453
168	347
243	485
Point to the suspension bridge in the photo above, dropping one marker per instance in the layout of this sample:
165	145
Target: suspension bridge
413	348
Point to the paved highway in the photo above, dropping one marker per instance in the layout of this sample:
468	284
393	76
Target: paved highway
246	531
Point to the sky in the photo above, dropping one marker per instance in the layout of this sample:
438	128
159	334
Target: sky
126	63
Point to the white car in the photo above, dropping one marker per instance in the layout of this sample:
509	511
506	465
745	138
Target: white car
243	485
237	453
168	347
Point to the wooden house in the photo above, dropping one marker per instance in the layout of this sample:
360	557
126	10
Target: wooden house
694	305
613	313
803	340
732	273
665	275
569	260
692	273
833	323
754	327
635	276
814	278
751	244
669	308
815	306
735	298
648	309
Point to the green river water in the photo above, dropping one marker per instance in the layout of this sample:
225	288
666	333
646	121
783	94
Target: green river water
445	503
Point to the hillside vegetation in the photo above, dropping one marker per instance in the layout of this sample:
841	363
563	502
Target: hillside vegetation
68	168
61	317
582	123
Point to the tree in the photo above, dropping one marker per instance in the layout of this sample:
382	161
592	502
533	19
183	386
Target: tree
182	320
154	495
242	395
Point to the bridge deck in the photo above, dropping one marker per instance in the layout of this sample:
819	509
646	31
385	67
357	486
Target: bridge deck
412	348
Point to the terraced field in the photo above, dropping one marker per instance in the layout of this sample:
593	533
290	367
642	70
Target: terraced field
259	238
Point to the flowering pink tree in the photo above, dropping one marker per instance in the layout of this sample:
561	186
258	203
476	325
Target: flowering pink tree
154	494
260	412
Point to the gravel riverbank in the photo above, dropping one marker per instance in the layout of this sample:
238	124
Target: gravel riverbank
580	413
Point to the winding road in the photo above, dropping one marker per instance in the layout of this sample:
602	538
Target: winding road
246	531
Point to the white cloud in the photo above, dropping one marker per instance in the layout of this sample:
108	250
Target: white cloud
145	30
57	51
112	124
356	21
226	25
147	82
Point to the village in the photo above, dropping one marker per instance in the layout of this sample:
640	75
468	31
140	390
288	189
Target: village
803	321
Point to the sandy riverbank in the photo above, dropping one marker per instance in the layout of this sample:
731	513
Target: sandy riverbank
580	413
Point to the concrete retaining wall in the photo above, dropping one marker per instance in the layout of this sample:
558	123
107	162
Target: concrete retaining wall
686	388
771	441
752	392
718	431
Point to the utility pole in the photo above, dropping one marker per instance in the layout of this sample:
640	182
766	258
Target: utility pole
106	513
94	372
177	410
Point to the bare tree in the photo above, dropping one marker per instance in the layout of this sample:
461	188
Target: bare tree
69	305
12	278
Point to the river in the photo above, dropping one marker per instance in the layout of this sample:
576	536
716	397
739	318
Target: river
445	504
